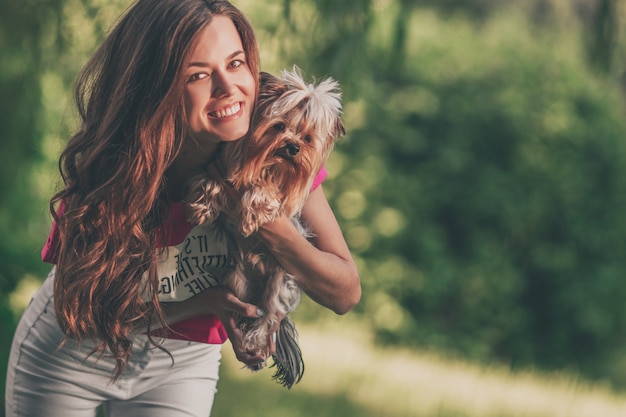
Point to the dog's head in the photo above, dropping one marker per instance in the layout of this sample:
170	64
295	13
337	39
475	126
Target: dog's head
293	131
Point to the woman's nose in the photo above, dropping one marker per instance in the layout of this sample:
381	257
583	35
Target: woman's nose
223	83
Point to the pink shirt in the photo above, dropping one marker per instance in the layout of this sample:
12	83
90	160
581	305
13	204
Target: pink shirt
194	261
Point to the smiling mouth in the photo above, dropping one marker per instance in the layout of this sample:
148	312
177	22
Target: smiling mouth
227	111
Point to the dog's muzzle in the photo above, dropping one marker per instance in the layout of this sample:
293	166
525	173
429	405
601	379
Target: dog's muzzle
291	149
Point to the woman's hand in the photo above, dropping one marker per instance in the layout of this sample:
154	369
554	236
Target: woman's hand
228	308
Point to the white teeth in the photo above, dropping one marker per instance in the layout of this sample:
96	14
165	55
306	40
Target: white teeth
228	111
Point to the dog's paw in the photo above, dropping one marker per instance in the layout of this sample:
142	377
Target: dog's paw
255	338
257	367
205	201
257	209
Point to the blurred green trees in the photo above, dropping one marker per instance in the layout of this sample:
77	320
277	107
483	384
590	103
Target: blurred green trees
21	130
483	182
481	187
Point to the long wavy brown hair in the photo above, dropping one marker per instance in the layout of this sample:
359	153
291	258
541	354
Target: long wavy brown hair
130	101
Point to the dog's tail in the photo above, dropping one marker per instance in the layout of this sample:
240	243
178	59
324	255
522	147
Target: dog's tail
288	357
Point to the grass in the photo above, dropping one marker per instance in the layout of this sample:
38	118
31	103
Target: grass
347	375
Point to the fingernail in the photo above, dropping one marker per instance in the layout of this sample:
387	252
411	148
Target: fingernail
274	337
260	312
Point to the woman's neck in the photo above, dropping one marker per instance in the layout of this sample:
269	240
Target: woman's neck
189	163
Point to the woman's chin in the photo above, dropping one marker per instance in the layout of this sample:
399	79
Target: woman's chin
234	136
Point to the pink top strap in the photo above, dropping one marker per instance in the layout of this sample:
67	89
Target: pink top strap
319	178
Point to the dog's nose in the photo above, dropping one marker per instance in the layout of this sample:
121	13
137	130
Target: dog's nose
292	149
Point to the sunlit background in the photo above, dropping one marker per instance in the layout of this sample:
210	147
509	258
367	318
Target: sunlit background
481	187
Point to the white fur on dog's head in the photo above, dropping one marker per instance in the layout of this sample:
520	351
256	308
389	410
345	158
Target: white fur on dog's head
321	103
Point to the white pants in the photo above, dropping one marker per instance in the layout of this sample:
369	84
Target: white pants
45	381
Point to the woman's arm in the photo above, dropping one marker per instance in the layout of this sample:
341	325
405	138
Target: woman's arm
323	266
218	301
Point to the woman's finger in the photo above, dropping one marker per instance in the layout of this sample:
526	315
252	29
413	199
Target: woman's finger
236	339
237	306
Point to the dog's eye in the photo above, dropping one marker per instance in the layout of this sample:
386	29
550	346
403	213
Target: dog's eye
308	138
279	127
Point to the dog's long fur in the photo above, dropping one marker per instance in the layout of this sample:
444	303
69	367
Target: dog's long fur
294	129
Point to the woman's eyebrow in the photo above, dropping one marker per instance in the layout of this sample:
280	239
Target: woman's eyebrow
206	64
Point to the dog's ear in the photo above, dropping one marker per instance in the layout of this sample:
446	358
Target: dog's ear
340	129
271	87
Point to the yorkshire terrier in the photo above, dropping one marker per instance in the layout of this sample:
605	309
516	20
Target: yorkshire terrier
293	131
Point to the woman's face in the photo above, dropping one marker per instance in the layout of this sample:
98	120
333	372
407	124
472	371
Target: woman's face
219	88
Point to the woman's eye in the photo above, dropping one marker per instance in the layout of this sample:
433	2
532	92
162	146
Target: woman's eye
279	127
237	63
197	76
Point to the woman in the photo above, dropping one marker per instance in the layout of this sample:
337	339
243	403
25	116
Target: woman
173	80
